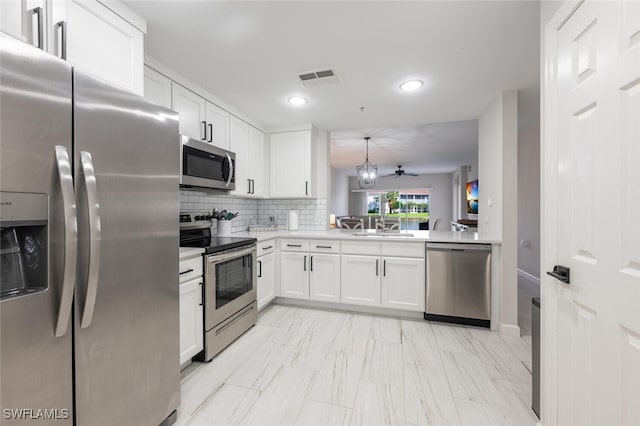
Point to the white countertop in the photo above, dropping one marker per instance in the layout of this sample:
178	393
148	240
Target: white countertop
348	234
186	252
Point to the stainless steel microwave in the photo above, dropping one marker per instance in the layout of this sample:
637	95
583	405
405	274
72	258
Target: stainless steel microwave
206	166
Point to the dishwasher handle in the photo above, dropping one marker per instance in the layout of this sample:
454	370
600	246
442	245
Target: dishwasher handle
456	247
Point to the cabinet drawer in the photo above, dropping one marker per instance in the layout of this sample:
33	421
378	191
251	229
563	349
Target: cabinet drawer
324	246
359	247
294	245
190	268
402	249
266	247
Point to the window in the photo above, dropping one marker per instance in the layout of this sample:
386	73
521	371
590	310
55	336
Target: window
410	206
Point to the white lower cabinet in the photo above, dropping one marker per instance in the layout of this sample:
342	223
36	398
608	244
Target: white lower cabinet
266	279
360	280
324	277
403	284
294	276
191	319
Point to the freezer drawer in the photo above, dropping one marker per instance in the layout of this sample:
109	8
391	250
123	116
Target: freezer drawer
458	285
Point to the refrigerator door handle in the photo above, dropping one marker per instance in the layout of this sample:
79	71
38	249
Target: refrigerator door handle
70	240
94	238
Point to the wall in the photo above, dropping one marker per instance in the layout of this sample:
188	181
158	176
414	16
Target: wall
440	200
498	196
339	193
529	200
312	212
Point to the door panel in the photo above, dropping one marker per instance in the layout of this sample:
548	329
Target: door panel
598	75
324	278
360	280
294	275
36	366
127	359
191	108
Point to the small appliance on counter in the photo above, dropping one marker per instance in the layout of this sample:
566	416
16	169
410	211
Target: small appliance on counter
292	222
230	277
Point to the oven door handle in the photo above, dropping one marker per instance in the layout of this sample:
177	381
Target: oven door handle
219	258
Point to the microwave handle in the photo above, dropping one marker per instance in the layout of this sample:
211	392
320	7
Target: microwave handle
230	170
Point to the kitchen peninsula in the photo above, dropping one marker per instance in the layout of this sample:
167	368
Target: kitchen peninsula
354	270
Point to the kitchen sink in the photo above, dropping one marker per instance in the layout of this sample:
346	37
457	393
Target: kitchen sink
382	234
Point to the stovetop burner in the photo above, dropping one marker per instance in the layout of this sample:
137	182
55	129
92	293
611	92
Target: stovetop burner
195	231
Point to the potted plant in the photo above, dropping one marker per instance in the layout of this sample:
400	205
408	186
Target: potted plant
224	221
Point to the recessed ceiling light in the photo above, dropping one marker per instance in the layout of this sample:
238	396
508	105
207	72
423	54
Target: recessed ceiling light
297	100
411	85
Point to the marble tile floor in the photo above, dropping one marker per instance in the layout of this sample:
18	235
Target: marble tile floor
301	366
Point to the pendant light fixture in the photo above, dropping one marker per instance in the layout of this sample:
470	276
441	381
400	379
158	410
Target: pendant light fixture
367	172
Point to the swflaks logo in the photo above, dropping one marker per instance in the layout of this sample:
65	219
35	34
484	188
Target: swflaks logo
35	413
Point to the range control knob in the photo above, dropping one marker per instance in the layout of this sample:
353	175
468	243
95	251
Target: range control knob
198	217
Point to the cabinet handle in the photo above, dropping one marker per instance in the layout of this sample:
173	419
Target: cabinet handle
40	39
253	186
201	295
324	247
62	25
384	268
204	130
305	263
259	268
311	264
294	245
267	247
306	187
186	272
248	186
210	132
377	267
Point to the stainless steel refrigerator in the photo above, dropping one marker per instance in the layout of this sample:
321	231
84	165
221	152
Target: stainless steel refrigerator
89	201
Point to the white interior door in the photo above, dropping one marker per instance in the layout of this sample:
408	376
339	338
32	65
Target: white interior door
597	144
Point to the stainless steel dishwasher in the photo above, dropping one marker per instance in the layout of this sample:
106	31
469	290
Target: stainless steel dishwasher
458	283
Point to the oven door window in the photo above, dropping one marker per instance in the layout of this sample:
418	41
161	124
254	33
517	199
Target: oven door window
205	165
233	279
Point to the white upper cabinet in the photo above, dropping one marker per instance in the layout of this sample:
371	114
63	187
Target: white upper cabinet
240	145
24	20
257	162
157	87
290	164
98	41
191	108
217	125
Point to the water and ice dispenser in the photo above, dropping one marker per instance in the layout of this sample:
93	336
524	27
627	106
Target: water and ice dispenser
23	244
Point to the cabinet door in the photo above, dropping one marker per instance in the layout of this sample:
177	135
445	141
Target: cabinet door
403	283
266	279
324	277
290	164
100	42
217	125
157	87
191	319
19	19
257	162
294	275
360	280
191	108
240	145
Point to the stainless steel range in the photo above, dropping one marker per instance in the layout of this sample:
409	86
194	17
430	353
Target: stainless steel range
230	268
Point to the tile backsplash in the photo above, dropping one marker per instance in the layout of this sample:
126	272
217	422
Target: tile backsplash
312	212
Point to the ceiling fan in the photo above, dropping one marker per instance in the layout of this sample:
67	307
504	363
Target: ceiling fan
401	172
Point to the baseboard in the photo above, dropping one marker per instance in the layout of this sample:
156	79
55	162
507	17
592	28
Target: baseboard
509	330
527	276
395	313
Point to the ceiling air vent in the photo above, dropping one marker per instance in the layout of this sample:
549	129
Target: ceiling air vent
318	78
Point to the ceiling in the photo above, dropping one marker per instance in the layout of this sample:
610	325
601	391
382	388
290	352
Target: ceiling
249	54
430	148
